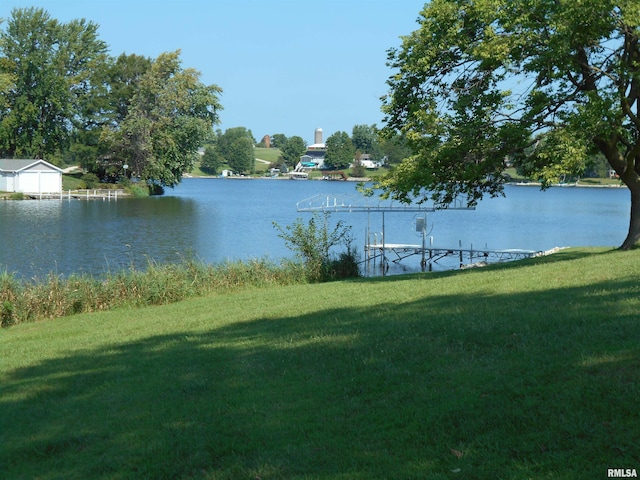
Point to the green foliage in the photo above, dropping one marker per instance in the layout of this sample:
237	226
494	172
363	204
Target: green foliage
293	149
313	243
365	140
235	146
17	196
278	140
240	156
48	70
358	169
394	148
340	150
61	97
211	160
170	117
543	84
90	180
139	191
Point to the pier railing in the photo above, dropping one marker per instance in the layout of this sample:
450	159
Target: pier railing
88	194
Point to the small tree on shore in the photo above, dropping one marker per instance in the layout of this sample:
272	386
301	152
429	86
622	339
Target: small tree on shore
313	242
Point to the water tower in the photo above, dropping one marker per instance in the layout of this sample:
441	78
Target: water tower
318	136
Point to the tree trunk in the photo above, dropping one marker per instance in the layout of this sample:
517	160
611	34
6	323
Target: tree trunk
631	179
633	237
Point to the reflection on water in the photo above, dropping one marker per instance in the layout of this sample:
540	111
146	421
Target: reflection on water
214	220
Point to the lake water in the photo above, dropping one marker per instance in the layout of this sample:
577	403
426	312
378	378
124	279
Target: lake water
219	219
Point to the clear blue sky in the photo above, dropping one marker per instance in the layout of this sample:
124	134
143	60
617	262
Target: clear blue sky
285	66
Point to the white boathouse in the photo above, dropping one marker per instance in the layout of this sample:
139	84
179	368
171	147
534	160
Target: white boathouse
29	176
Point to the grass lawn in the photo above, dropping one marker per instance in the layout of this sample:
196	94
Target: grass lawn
268	154
526	370
72	182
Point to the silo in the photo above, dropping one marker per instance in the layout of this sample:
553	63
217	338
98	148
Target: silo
318	136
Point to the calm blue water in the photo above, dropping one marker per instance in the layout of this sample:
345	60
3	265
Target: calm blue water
215	220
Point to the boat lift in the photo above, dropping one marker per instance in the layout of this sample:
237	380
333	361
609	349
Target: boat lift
377	247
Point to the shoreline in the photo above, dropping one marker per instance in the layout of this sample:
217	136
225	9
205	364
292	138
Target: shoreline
368	179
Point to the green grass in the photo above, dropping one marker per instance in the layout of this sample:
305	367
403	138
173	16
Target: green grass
268	154
72	182
527	370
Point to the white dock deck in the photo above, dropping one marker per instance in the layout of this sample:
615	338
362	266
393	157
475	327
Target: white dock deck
396	252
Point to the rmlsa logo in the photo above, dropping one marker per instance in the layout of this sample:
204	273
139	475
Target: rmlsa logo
622	473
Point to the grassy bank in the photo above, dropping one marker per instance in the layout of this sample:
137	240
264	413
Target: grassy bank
517	371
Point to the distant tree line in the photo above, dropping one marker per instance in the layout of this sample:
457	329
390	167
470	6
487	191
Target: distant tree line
65	100
342	149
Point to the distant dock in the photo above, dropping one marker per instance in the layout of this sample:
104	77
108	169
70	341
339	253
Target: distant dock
96	194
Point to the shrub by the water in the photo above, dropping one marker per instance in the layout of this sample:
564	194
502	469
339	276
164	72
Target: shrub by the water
313	243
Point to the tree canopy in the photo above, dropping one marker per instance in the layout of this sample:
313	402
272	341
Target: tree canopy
542	84
365	139
235	146
293	148
340	150
170	116
51	67
62	97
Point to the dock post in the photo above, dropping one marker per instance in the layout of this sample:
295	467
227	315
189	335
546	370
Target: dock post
430	253
384	256
423	262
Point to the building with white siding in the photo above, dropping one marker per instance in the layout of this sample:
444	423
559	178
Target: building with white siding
29	176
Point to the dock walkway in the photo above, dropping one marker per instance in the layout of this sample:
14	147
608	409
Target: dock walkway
97	194
430	254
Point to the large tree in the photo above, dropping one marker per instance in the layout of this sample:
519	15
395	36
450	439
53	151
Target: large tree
235	145
340	151
293	149
48	70
365	139
170	116
542	83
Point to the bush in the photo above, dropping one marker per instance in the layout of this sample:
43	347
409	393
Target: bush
312	244
346	265
90	180
139	191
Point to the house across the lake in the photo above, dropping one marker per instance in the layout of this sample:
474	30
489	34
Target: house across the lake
314	157
29	176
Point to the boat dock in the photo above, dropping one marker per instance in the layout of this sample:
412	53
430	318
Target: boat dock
97	194
430	254
378	251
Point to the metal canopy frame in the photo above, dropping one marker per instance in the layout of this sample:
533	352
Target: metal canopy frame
345	203
349	203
